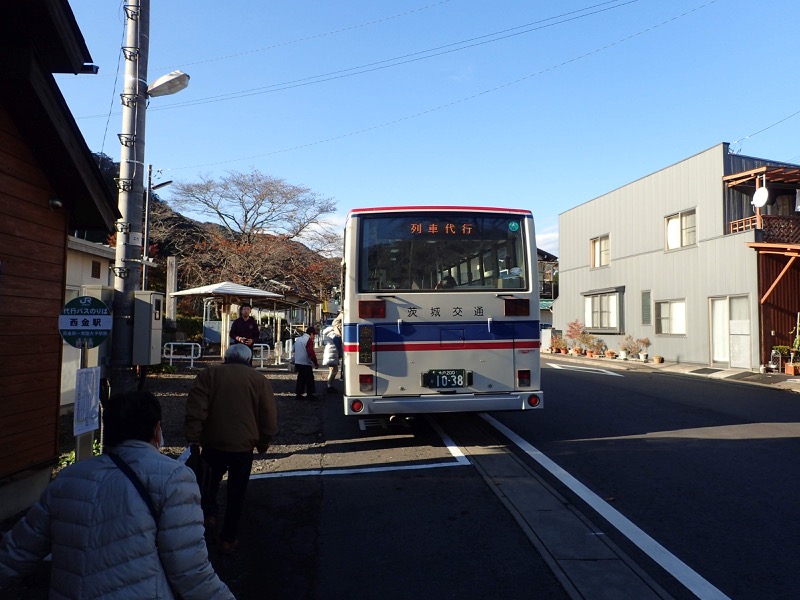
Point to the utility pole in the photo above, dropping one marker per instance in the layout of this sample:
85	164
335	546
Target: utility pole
128	260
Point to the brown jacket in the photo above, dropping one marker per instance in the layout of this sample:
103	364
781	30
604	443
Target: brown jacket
231	408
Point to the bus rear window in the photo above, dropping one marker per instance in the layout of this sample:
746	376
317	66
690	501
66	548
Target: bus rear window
432	251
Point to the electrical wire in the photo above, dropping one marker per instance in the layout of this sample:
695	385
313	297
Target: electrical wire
404	59
114	90
460	100
747	137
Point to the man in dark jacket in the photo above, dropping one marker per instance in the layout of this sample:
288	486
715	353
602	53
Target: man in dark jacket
230	410
245	330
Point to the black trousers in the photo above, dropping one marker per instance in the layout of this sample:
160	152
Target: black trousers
238	466
305	380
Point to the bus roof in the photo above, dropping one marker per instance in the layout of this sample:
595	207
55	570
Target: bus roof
490	209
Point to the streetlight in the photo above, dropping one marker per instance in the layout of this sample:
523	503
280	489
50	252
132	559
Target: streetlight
146	237
130	184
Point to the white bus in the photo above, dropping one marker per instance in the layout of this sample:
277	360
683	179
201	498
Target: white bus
441	310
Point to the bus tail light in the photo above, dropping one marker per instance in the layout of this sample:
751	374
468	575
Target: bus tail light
366	383
517	307
534	400
524	378
356	406
372	309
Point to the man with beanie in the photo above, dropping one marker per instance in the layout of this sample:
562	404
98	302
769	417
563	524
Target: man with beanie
229	411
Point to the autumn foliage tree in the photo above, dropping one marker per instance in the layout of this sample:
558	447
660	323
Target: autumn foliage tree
262	230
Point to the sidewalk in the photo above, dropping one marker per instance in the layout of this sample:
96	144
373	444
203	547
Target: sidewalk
773	380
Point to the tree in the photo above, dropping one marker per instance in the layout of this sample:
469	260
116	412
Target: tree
250	204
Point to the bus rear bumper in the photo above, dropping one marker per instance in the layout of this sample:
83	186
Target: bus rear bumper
442	403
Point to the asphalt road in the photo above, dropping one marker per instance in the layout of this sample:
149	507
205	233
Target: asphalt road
707	468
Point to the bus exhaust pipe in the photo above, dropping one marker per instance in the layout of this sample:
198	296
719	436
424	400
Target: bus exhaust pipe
404	420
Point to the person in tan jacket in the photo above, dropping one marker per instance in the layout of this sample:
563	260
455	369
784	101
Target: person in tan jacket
229	411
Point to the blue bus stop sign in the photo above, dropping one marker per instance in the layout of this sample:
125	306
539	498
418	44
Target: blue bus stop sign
85	322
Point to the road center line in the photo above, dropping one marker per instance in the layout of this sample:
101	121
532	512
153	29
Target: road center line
672	564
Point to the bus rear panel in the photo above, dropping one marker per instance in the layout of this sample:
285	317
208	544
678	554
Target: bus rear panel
441	311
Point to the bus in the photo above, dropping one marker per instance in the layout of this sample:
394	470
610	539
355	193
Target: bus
440	310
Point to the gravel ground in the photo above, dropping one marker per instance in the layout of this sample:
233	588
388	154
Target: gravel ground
278	554
299	425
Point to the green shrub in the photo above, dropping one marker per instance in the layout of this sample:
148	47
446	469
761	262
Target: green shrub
192	327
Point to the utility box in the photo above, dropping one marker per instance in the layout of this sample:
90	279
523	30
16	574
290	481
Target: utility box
100	356
148	325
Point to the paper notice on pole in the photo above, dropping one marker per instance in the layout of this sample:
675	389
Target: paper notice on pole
87	401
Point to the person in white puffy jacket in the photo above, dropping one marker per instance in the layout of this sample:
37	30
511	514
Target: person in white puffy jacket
105	542
331	353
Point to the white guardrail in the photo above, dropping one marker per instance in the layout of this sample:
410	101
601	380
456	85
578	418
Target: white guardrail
195	351
261	353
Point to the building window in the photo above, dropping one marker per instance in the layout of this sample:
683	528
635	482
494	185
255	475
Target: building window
601	311
95	269
600	251
646	308
681	230
671	317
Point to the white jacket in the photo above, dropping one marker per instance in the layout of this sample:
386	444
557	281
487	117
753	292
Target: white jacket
103	537
330	353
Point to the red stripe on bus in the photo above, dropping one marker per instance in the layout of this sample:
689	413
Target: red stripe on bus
434	346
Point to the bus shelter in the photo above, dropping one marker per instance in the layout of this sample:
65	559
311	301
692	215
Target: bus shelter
228	293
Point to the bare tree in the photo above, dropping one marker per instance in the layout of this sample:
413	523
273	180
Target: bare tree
249	204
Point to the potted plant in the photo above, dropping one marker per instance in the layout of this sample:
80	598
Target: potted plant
596	346
587	341
558	344
658	359
573	335
610	353
627	346
643	344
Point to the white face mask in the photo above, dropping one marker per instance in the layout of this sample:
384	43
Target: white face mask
160	436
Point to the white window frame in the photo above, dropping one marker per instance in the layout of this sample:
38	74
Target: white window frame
600	248
679	232
671	321
602	311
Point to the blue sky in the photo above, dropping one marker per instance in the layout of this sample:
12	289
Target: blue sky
572	100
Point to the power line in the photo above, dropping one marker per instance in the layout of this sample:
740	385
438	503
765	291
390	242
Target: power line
460	100
747	137
403	59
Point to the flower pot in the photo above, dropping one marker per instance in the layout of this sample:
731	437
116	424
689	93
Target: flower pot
643	356
791	368
563	350
590	353
610	354
623	354
658	359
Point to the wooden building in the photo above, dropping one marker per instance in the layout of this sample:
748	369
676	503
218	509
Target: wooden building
49	186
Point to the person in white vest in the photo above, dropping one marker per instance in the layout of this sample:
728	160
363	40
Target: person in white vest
305	360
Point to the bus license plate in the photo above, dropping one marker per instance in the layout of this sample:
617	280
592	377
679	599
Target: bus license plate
444	378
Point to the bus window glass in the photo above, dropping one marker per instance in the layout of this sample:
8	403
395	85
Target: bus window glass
416	252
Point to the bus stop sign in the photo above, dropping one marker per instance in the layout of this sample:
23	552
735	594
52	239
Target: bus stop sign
85	322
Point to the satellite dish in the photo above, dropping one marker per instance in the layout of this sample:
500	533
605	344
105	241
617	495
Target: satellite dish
760	197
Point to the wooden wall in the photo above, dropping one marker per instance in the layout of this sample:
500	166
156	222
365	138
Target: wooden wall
32	282
779	312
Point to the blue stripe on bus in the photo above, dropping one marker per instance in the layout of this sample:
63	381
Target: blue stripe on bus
432	332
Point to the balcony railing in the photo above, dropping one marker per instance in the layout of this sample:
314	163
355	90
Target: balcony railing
776	230
781	230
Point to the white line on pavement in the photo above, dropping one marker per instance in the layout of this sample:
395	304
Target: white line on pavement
677	568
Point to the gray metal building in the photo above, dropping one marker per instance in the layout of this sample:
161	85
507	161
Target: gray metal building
671	257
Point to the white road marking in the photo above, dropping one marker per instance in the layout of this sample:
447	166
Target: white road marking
588	369
677	568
